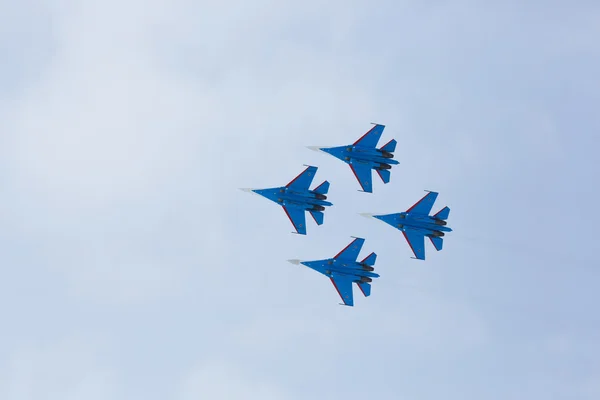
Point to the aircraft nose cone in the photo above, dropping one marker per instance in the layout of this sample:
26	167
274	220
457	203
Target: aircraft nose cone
264	193
315	148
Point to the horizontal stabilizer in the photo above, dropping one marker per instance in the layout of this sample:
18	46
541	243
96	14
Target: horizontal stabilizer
443	214
365	288
437	242
370	259
384	174
318	216
390	146
323	188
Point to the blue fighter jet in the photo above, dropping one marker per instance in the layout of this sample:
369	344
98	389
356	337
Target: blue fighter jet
343	269
416	223
296	198
364	156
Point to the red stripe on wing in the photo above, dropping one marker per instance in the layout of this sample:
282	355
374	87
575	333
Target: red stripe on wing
365	259
433	243
312	215
409	244
361	289
317	188
299	175
414	205
291	220
357	178
338	290
363	136
345	248
386	144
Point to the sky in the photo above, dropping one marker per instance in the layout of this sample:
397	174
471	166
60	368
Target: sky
133	267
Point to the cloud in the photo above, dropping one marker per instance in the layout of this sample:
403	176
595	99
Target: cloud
67	369
221	381
97	150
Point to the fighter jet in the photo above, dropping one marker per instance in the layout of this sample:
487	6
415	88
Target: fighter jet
416	223
343	269
363	156
296	198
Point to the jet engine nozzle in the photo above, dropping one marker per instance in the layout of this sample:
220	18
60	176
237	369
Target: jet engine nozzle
385	166
438	233
365	279
320	196
440	222
368	268
318	208
386	154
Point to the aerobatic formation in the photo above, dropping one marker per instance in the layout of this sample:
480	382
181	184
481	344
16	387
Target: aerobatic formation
363	156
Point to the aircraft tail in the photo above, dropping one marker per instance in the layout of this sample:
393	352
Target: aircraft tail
365	288
384	174
323	188
318	217
370	259
437	242
443	214
390	146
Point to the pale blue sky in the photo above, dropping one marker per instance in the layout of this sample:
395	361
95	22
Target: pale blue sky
134	268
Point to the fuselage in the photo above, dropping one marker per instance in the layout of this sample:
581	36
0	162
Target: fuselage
359	271
418	222
373	157
307	200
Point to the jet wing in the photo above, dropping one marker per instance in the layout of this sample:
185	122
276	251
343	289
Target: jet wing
303	181
416	241
364	176
298	219
351	251
424	205
343	285
371	138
